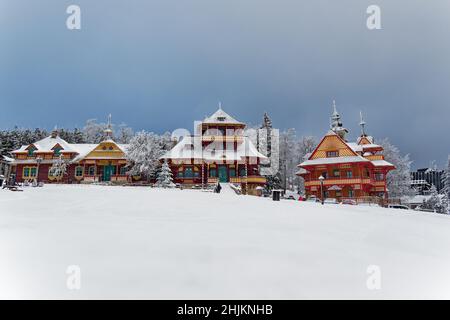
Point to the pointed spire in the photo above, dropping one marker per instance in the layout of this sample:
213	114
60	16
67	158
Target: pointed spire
335	113
108	131
336	123
362	123
220	105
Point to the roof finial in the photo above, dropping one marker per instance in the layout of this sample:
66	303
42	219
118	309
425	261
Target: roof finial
108	131
220	105
54	132
334	107
362	123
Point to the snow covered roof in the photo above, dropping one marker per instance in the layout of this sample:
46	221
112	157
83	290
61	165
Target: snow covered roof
334	188
382	163
302	171
47	145
185	150
6	159
362	147
221	116
83	150
334	160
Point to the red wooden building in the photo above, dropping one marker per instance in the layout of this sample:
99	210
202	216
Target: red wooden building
355	170
102	162
218	151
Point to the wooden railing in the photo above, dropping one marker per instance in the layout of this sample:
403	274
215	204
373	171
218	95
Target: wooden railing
222	138
340	181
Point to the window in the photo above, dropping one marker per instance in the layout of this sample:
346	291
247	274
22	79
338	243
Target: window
180	174
188	173
91	171
57	152
29	172
31	152
349	174
379	176
325	174
123	171
232	172
332	154
350	193
336	173
79	171
213	173
242	172
325	194
26	172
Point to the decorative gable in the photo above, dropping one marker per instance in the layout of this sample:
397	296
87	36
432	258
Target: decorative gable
332	144
106	150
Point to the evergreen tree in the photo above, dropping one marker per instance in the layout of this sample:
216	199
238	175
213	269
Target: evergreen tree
165	178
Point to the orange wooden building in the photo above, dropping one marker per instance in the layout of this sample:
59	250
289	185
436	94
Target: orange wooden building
354	170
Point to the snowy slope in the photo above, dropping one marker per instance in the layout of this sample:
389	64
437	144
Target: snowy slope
152	243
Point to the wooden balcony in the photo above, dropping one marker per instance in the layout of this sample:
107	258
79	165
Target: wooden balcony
222	138
341	181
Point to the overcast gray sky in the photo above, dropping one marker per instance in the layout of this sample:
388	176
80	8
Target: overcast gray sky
161	64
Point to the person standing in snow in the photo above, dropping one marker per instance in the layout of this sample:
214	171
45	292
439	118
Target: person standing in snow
218	187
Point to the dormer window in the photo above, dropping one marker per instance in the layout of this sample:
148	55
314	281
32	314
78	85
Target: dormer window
31	150
221	118
57	151
332	154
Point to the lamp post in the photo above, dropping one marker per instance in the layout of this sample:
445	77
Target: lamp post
321	178
38	161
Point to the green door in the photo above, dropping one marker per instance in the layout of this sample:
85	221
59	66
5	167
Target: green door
223	174
107	171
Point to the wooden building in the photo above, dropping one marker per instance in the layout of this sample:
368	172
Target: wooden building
355	170
218	151
102	162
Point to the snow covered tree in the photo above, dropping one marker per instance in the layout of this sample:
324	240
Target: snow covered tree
124	134
266	140
398	180
59	168
143	154
305	146
288	162
165	177
94	132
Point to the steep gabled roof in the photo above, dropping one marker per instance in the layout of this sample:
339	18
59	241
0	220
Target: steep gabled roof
221	116
334	139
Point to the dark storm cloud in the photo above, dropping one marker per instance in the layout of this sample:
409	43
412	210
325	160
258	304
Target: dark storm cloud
159	65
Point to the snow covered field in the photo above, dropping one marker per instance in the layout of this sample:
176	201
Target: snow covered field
133	242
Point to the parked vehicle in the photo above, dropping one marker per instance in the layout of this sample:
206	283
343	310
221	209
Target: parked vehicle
312	199
349	202
330	201
398	206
